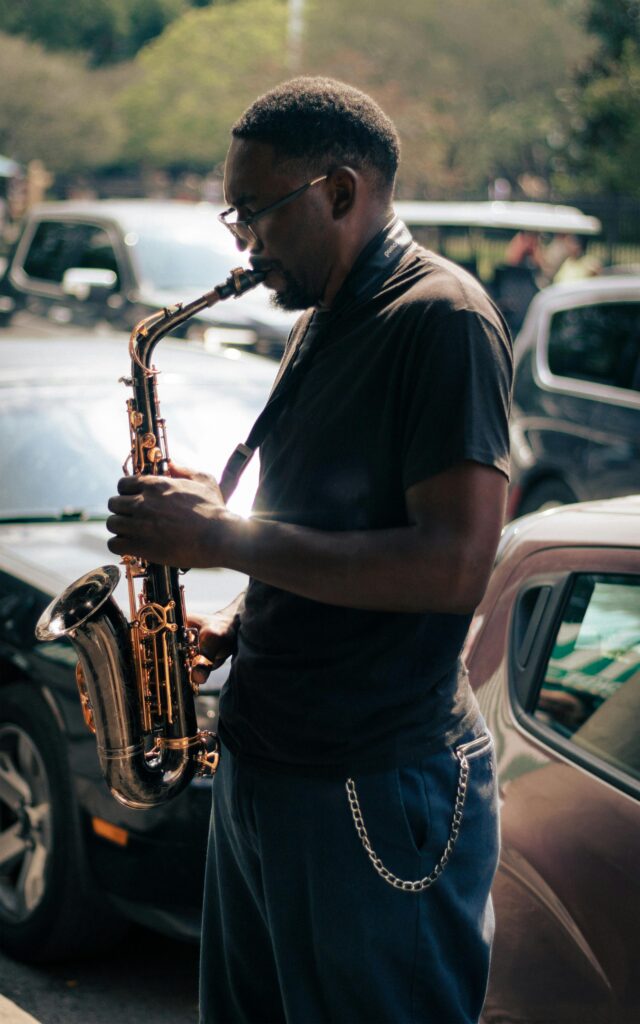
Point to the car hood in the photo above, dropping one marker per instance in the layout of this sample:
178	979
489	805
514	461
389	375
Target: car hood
50	556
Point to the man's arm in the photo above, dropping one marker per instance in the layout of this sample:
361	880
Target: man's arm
440	562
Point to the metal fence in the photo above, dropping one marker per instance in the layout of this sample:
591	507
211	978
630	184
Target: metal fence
620	217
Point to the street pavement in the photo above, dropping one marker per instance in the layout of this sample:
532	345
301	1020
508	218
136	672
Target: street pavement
147	978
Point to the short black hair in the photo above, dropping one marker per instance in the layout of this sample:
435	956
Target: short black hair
321	121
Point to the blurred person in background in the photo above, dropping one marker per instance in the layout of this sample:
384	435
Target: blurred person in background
347	724
578	264
525	250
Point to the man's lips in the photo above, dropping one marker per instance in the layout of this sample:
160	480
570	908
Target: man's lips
263	266
267	268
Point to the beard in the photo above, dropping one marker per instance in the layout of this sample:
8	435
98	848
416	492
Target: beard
294	296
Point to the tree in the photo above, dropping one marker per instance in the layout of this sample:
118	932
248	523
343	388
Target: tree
196	79
108	30
600	148
54	109
471	84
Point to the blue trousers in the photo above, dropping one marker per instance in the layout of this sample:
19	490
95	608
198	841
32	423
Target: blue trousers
300	928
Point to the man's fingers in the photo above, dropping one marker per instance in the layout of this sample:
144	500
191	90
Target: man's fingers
130	484
123	504
202	666
120	546
122	525
200	669
181	472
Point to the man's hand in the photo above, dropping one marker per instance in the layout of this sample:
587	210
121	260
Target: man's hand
217	636
168	520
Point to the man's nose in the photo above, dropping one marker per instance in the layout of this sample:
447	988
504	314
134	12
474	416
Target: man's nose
254	245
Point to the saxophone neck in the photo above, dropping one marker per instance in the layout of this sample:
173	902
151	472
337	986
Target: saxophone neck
151	329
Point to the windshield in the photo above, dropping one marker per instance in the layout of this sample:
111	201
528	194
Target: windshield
62	455
191	260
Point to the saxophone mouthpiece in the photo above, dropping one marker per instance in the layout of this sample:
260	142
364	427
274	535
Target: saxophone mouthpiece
240	280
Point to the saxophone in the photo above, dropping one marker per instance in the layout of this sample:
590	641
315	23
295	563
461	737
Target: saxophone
134	678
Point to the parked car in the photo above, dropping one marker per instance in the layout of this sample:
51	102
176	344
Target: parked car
575	429
117	260
476	235
72	859
554	657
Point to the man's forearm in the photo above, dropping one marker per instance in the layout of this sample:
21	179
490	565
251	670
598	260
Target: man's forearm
408	569
439	561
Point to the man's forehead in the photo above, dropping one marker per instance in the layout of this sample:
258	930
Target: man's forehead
254	169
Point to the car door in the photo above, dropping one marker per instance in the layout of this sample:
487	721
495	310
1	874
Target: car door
565	711
593	359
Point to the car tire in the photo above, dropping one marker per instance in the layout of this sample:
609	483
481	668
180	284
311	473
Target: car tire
546	494
48	907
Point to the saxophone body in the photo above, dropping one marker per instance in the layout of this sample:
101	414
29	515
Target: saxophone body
134	676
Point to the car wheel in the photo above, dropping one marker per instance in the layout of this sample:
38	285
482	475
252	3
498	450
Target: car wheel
48	909
544	495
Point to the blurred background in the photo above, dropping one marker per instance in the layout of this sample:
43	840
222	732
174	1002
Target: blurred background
493	98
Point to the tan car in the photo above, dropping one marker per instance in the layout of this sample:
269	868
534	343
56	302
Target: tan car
554	656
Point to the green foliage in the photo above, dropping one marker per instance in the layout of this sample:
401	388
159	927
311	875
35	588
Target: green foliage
615	22
55	110
195	80
601	150
108	30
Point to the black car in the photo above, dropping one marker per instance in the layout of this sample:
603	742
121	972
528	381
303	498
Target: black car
575	428
73	862
118	260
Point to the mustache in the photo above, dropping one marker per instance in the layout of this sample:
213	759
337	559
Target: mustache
263	265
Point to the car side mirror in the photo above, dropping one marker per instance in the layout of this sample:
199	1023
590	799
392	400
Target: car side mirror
89	283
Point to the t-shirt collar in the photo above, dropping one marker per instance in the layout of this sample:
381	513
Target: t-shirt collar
374	265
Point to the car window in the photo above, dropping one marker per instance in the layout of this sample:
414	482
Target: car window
183	260
57	247
96	251
599	343
590	692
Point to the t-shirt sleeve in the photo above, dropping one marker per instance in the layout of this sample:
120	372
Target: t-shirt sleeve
457	393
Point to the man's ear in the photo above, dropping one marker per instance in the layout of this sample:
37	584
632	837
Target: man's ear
343	184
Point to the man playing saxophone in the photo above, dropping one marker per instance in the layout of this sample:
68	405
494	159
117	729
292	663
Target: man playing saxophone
354	826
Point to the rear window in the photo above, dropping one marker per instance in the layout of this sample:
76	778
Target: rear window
598	343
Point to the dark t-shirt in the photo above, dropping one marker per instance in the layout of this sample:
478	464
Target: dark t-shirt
410	374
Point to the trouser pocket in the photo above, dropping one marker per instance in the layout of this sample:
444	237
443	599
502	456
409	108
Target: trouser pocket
416	800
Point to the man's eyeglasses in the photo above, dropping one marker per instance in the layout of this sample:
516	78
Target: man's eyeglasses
242	230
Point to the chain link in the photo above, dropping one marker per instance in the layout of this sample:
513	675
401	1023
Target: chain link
419	885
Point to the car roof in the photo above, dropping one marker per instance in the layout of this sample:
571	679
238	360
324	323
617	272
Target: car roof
131	213
515	216
606	286
610	522
572	294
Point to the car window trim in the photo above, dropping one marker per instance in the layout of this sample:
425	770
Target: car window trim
38	285
524	682
550	381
